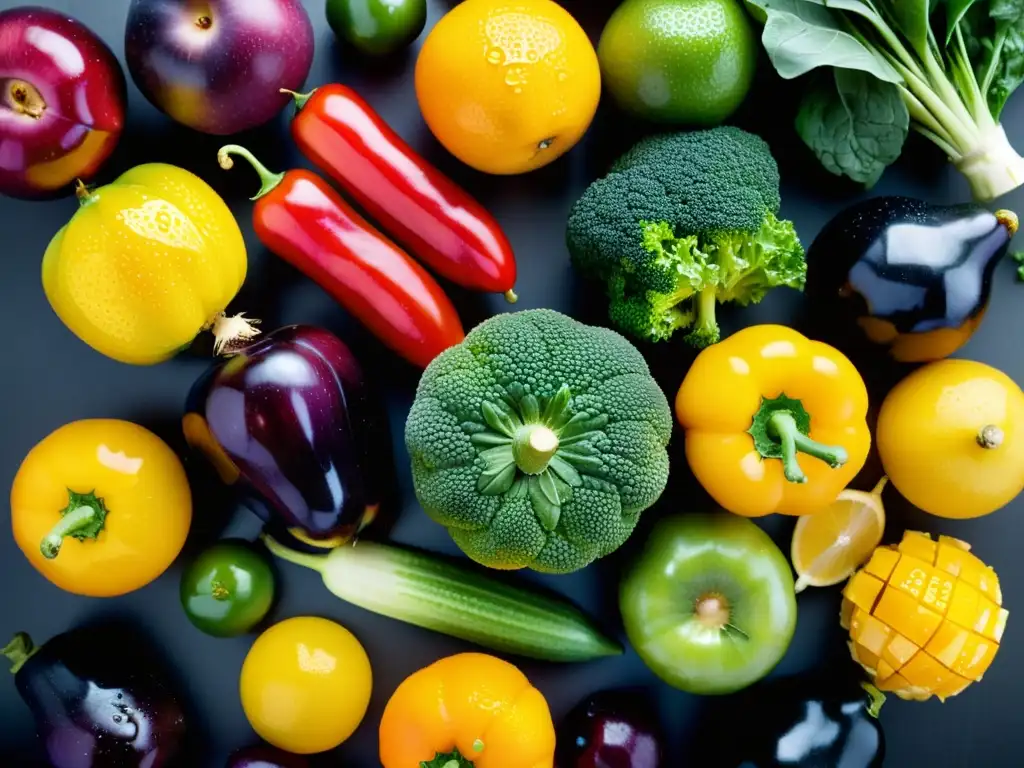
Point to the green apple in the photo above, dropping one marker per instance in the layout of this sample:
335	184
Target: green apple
709	605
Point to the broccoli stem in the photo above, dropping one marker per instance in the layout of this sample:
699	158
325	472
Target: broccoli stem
533	446
782	426
705	330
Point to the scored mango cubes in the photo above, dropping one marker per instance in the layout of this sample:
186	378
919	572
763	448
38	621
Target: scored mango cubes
925	617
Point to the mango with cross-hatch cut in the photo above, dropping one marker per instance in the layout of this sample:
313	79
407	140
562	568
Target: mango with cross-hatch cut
925	617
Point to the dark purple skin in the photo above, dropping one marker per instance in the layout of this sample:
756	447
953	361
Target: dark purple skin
611	729
292	413
265	757
219	66
98	702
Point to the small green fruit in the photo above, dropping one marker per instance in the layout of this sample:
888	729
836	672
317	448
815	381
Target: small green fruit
679	61
228	589
377	27
709	606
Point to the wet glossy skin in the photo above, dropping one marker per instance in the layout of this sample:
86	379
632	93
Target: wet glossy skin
611	729
913	277
290	416
240	52
420	207
99	703
227	589
62	102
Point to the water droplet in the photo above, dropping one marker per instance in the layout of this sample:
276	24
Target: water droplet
531	56
517	89
513	76
495	56
117	718
562	77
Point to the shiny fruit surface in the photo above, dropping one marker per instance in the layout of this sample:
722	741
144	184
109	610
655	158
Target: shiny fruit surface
62	102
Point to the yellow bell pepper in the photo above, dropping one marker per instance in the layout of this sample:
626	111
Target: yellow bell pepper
774	422
471	710
145	264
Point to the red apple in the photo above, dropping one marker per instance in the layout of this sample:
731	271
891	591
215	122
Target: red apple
62	103
218	66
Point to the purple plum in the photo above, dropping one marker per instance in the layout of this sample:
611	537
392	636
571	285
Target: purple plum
218	66
289	420
611	729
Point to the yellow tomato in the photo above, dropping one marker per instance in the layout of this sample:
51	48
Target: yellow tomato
951	438
305	685
508	87
101	507
145	264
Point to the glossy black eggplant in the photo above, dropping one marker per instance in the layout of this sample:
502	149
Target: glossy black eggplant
289	421
808	722
611	729
98	699
912	276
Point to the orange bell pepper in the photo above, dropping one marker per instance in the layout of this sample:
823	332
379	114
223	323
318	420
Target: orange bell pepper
774	422
470	710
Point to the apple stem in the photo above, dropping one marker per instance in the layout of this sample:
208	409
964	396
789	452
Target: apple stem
268	181
300	98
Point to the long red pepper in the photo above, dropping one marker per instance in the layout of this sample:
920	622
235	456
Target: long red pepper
304	221
410	199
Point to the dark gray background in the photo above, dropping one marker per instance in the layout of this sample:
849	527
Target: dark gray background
50	378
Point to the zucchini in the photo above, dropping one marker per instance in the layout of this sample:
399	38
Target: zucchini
441	595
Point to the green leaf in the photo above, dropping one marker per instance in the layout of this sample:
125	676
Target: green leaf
529	409
481	439
565	470
808	35
555	409
911	17
587	463
498	418
545	500
581	424
955	10
854	123
494	481
498	456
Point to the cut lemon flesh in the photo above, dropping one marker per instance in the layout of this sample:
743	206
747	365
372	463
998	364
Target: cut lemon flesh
830	545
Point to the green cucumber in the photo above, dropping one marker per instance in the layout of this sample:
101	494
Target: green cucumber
441	595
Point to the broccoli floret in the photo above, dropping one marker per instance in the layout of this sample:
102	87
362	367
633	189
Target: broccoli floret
681	223
538	441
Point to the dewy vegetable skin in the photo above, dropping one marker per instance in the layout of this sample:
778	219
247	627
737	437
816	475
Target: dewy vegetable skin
774	422
145	264
101	507
946	68
465	708
303	220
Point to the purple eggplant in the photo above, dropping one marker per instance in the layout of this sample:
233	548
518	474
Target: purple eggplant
265	757
290	421
98	699
611	729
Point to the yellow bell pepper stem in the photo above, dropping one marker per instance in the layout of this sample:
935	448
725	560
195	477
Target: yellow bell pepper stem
782	425
83	517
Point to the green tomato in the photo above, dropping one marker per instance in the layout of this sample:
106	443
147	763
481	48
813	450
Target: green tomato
377	27
227	589
709	606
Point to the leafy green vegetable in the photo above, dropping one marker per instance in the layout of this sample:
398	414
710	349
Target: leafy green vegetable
954	63
856	124
538	441
682	222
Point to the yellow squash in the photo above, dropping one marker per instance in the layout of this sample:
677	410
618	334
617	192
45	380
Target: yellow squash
925	617
146	263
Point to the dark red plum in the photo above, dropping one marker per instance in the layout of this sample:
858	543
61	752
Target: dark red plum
218	66
62	102
265	757
289	421
611	729
98	699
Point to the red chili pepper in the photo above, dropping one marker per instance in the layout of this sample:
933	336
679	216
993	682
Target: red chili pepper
303	220
410	199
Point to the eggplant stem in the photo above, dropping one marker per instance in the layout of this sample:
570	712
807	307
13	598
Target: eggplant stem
19	650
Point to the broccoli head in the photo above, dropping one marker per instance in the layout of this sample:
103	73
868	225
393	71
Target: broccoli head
681	223
538	441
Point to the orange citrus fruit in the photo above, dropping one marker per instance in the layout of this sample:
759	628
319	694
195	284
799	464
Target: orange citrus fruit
508	86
